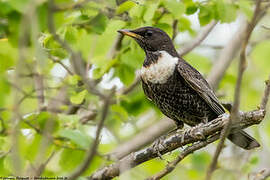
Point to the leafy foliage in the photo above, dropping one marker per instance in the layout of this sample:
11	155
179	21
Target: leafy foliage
46	109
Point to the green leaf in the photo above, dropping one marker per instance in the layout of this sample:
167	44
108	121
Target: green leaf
254	160
165	27
103	43
42	13
98	24
78	98
205	15
40	120
71	34
125	7
150	11
14	19
4	89
175	7
8	55
137	11
85	43
70	159
184	24
77	137
120	110
101	70
132	57
261	56
32	149
125	73
226	12
191	7
73	80
91	9
5	8
20	5
4	171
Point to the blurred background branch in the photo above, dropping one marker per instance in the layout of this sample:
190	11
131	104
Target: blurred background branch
64	69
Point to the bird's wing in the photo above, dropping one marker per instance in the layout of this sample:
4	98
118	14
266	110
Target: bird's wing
146	90
196	81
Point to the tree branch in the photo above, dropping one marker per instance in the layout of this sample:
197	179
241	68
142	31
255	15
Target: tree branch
174	25
266	95
201	36
175	141
93	147
39	88
237	93
262	175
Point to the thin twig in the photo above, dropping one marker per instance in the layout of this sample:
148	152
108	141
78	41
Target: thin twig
128	89
262	175
265	27
55	60
93	148
175	31
266	95
237	93
202	35
42	166
39	88
116	46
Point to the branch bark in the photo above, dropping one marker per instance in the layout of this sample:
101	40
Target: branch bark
262	175
175	141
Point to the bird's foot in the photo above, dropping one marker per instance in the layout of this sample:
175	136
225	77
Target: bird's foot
156	146
193	132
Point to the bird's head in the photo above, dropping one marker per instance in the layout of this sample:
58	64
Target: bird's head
151	39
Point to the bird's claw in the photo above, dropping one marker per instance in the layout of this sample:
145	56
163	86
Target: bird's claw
156	146
193	132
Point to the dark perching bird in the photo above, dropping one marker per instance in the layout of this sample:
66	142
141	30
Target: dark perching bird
178	89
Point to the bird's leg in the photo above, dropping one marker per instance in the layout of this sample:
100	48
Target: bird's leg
179	126
205	118
157	143
193	132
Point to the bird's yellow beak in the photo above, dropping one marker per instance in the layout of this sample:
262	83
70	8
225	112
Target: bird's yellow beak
129	33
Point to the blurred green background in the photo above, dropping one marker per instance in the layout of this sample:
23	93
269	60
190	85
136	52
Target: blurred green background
49	119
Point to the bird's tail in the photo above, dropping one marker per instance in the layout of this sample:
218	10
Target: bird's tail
243	140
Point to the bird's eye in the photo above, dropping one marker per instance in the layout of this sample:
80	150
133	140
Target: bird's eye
148	33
